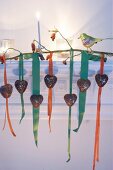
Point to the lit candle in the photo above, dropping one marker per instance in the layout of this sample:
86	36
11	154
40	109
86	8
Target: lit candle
38	24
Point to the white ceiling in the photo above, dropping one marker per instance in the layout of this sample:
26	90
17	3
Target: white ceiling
71	17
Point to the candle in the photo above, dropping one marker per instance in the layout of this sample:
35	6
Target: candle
38	24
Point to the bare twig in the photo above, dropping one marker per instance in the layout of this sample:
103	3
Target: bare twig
42	47
12	49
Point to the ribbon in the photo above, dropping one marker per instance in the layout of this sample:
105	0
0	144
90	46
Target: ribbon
36	91
82	95
49	57
7	115
97	131
21	77
84	75
69	116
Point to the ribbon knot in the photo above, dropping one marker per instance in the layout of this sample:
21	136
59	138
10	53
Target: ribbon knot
2	59
49	57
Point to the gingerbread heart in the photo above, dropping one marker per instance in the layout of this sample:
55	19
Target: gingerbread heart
101	79
21	85
50	80
70	99
6	90
83	84
36	100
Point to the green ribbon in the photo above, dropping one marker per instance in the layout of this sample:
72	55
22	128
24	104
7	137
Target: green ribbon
69	116
21	77
36	91
27	56
84	75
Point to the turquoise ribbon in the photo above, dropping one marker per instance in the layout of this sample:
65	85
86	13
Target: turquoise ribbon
69	116
84	75
36	91
21	77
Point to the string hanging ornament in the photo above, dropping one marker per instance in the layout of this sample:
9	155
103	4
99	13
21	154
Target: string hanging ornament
101	80
21	84
70	98
50	81
6	91
36	98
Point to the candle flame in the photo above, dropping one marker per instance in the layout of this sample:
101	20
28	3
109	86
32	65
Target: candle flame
38	15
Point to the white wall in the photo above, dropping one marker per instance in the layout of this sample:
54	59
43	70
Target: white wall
18	21
20	153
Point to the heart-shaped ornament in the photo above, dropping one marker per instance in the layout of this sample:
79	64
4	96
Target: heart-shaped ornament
21	85
70	99
83	84
6	90
36	100
101	79
50	80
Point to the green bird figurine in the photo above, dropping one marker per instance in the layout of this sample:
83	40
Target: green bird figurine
89	41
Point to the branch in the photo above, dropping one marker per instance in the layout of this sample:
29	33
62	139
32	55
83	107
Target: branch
12	49
43	47
109	54
65	39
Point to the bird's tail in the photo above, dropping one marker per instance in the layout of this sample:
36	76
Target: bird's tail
98	40
108	39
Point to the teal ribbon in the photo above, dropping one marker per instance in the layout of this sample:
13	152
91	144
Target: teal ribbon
69	116
27	56
21	77
36	91
84	75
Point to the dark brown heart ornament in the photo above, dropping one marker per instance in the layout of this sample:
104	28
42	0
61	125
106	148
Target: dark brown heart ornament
83	84
101	79
36	100
50	80
21	85
6	90
70	99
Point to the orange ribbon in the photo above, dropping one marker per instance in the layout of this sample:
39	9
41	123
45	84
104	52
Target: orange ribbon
7	109
97	131
49	57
